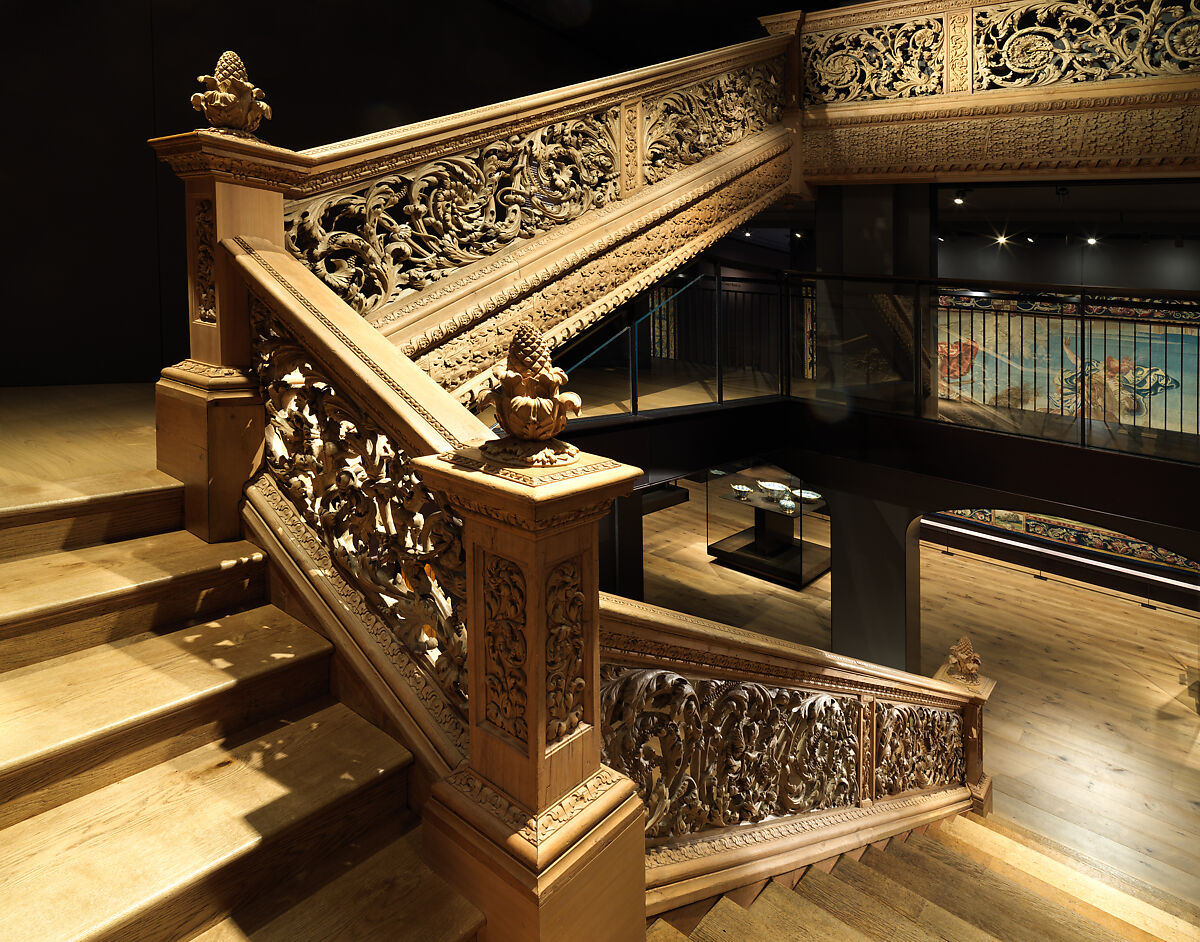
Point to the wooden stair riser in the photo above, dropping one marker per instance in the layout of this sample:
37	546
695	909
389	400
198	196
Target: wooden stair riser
87	766
186	599
103	519
873	918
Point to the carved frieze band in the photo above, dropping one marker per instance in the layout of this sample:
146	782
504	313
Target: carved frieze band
1021	45
505	647
404	231
888	60
386	534
564	650
302	539
709	753
687	125
205	286
917	747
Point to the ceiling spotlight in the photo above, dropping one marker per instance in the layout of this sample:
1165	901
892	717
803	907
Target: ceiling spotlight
746	234
798	235
1091	240
1029	239
941	239
1002	240
960	197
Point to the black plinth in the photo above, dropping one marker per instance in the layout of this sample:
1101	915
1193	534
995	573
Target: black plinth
769	549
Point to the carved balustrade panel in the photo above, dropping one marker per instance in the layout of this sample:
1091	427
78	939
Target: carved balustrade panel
708	753
387	535
565	681
917	747
1019	45
684	126
506	649
904	59
376	243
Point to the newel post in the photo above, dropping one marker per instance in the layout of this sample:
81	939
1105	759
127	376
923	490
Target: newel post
534	829
208	411
962	667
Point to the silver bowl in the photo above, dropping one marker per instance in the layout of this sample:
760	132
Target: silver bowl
772	490
741	491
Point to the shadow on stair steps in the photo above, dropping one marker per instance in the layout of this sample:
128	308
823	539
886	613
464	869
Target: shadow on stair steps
958	881
171	762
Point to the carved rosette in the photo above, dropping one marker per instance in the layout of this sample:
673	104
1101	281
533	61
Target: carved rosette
505	647
205	286
375	244
564	651
879	61
1020	45
714	753
917	747
387	535
685	126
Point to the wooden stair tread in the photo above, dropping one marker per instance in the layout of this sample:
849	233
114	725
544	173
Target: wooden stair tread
381	889
791	916
913	905
58	515
872	917
1103	872
1060	883
662	931
67	716
1054	920
91	868
727	920
40	585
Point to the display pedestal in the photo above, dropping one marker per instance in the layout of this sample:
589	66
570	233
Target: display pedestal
769	549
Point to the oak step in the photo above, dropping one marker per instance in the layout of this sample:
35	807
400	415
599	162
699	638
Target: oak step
172	850
791	916
62	602
1088	897
376	887
873	918
662	931
77	723
63	515
916	907
1160	899
728	921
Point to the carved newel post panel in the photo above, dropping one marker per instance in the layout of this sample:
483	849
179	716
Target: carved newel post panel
962	667
546	840
209	414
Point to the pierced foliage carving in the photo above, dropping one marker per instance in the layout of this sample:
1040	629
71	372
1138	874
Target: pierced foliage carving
890	60
714	753
388	536
505	647
1018	45
564	651
206	292
685	126
402	232
917	747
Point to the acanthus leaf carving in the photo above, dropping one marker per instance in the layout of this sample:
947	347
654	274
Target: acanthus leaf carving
505	647
205	234
714	753
565	682
917	747
387	535
880	61
403	231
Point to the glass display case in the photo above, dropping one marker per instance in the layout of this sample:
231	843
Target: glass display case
755	523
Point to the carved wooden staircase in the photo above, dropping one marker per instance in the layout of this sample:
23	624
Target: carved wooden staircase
171	760
964	879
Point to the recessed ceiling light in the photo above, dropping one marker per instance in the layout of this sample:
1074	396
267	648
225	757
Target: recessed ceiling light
1091	240
1029	238
746	234
940	239
1002	240
960	197
798	235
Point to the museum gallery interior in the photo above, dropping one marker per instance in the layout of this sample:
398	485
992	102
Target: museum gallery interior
737	486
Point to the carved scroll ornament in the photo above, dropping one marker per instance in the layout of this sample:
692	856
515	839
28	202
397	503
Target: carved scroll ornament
402	232
230	101
1019	45
388	536
683	127
891	60
714	753
505	647
564	651
917	747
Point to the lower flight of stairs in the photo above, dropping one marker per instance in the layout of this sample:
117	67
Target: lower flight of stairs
172	764
960	880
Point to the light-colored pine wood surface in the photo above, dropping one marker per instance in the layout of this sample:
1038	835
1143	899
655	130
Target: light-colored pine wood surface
1092	735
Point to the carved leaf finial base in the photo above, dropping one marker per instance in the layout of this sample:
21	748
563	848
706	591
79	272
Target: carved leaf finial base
530	454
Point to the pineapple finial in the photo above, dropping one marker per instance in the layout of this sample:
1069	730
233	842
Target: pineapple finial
230	101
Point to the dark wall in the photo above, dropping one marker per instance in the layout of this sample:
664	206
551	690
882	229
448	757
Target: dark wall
95	287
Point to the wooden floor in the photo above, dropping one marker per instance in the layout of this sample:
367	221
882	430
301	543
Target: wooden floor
1092	735
1093	732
